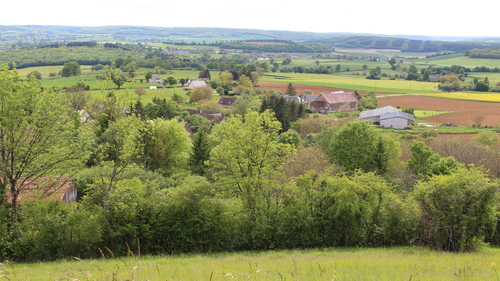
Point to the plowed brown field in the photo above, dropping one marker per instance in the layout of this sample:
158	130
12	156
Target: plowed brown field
465	112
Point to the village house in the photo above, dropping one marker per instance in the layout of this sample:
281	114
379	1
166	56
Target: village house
308	98
335	102
216	117
62	188
196	84
227	101
155	79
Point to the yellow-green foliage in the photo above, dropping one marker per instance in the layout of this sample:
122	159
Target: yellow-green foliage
470	97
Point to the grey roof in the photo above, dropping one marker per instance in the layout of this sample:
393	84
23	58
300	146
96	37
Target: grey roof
377	112
197	83
309	97
293	98
397	114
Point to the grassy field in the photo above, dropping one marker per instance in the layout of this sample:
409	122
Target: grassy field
402	263
426	113
353	82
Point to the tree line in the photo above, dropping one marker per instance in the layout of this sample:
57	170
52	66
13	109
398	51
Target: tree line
267	177
405	45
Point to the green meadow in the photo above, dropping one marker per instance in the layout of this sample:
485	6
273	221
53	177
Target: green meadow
353	82
401	263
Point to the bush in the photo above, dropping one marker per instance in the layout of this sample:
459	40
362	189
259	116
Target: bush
53	230
457	209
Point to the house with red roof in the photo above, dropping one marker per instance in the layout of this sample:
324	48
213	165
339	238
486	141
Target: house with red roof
335	102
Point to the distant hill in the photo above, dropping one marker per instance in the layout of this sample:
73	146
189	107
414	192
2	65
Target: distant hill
412	43
407	45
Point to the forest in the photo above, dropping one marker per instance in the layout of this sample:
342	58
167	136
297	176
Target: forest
271	175
405	45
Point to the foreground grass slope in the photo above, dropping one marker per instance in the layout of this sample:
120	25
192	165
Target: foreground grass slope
405	263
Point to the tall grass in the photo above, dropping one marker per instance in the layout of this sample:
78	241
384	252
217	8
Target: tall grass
405	263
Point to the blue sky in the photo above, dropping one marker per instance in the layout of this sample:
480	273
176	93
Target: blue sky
424	17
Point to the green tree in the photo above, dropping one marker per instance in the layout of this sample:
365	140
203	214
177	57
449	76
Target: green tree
246	159
425	162
36	74
204	74
245	82
148	75
168	147
140	91
225	80
121	147
171	81
201	93
488	138
39	138
130	66
71	69
457	209
353	146
200	154
290	90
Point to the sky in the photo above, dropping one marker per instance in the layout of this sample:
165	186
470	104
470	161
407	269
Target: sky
390	17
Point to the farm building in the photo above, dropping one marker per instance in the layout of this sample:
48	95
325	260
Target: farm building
196	84
396	120
374	114
335	102
388	116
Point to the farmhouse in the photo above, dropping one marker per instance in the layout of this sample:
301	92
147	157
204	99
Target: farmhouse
308	98
155	79
335	102
196	84
297	99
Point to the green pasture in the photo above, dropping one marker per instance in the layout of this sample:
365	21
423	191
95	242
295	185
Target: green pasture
353	65
402	263
353	82
494	78
419	113
462	60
